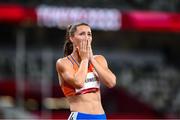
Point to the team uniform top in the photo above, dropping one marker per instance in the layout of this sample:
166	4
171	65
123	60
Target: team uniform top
91	83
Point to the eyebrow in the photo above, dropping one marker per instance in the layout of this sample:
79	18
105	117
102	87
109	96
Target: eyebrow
85	32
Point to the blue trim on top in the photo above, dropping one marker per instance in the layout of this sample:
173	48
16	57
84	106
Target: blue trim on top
74	60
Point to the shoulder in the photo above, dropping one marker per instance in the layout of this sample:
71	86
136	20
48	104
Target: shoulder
99	58
62	63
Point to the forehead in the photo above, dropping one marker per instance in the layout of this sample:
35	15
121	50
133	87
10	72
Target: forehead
83	28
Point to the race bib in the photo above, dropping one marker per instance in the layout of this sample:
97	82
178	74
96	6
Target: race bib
91	84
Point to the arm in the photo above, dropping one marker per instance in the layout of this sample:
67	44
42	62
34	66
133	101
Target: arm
104	73
75	79
66	71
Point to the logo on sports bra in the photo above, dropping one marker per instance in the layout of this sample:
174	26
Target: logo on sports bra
90	79
90	84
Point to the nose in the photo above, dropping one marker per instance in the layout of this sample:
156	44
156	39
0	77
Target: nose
87	37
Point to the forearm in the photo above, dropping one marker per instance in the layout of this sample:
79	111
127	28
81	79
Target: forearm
80	75
105	75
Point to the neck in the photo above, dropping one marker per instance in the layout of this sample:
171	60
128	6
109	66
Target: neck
76	56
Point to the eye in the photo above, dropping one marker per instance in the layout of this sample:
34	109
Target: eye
89	34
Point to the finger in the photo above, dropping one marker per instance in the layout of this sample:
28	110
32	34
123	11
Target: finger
77	48
83	45
87	45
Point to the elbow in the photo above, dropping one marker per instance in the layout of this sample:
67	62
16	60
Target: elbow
78	82
112	83
78	85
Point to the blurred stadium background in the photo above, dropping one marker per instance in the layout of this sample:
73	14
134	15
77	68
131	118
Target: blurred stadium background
139	38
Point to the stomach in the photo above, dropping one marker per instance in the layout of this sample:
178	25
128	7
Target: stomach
86	103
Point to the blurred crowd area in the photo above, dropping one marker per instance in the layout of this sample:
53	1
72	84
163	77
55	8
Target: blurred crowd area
146	64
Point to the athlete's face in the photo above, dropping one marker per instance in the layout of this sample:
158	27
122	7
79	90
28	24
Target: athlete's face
83	32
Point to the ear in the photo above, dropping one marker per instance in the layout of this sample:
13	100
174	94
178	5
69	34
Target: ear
71	38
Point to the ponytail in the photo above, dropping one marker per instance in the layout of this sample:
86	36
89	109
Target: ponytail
68	46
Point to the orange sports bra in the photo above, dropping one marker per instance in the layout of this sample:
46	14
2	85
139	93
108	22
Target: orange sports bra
91	83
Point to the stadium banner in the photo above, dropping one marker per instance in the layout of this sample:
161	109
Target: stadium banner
154	21
14	13
99	19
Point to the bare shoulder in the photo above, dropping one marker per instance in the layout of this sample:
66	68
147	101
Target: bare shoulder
62	63
99	58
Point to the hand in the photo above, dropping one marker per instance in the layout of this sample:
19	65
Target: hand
90	51
84	50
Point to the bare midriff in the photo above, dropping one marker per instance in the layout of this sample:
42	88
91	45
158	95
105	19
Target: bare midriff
86	103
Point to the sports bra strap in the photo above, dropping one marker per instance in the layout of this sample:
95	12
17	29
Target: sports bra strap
70	60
